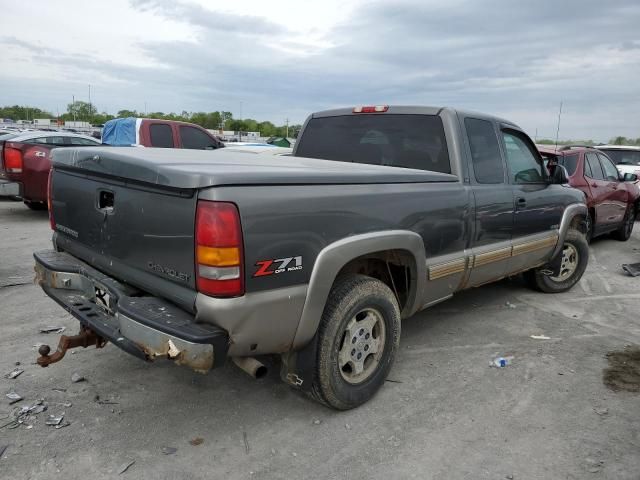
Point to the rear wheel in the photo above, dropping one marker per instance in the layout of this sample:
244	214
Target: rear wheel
36	205
358	337
575	257
624	232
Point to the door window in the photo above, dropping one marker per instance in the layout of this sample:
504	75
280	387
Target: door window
594	166
196	139
525	165
610	171
81	141
161	135
485	151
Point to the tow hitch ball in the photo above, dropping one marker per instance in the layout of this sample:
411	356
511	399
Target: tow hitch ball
85	338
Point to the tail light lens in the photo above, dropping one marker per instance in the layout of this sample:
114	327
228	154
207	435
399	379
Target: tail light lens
52	222
219	256
12	160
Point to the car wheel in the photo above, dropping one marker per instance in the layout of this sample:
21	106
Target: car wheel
624	232
36	205
358	337
575	257
588	234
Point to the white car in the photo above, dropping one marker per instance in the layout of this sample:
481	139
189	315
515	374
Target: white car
626	157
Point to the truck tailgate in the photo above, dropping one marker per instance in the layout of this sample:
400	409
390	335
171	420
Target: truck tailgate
140	234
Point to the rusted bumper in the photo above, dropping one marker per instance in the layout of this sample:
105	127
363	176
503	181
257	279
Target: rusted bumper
142	325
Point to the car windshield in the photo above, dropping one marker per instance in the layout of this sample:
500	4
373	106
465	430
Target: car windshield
624	157
408	141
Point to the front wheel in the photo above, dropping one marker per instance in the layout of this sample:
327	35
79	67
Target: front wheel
358	337
575	257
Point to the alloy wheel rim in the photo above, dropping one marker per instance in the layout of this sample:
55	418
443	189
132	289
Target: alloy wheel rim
568	264
362	345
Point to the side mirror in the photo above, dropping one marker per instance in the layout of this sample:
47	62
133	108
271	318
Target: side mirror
629	177
559	176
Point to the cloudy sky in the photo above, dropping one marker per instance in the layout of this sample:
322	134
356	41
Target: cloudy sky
285	58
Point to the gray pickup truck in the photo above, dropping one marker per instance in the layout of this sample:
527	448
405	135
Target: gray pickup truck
200	256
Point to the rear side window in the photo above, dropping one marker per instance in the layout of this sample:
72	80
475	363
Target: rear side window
570	162
407	141
161	135
524	164
485	151
196	139
610	171
624	157
594	166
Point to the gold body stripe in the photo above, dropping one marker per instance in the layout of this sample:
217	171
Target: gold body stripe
447	268
459	265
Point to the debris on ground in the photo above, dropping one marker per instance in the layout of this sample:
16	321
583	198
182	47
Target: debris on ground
593	465
3	448
57	389
52	329
196	441
246	443
125	466
317	422
393	381
26	415
510	305
632	269
623	373
62	425
54	420
501	362
76	377
13	397
169	450
540	337
601	411
100	401
15	373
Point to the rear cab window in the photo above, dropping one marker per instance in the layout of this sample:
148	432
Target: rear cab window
396	140
485	151
161	135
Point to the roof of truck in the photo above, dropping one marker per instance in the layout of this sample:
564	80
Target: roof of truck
411	110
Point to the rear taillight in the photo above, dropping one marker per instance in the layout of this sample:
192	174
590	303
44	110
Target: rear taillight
52	222
12	160
219	261
371	109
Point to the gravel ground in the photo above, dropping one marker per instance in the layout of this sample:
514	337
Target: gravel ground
443	414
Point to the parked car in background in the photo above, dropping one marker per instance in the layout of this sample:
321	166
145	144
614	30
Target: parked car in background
24	161
612	198
626	157
149	132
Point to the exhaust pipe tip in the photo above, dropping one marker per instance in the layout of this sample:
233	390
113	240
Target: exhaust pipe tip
251	366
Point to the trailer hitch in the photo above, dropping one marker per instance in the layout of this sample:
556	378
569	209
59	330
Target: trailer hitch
85	338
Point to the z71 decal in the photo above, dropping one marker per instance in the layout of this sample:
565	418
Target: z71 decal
279	265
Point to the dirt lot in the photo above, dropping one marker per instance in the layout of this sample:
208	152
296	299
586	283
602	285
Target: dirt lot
443	414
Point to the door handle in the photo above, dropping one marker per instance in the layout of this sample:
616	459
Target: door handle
594	184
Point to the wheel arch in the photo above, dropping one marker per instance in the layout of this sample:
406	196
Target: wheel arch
572	217
348	255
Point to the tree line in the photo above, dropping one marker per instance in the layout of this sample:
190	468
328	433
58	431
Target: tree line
84	111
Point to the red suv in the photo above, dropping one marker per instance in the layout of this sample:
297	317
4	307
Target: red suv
612	199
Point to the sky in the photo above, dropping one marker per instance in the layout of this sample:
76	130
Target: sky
284	59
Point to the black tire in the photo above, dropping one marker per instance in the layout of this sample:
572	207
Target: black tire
36	205
590	223
624	232
548	284
350	298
